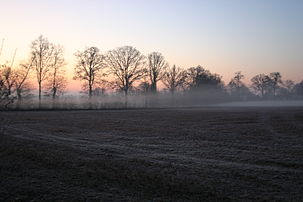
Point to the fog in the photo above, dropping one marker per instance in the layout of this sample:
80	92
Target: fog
159	100
266	103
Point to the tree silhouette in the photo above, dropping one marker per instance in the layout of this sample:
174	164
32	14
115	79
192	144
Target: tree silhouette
275	78
56	80
237	87
43	53
127	65
261	83
6	96
22	85
8	75
90	68
236	82
199	78
289	85
298	89
156	68
174	78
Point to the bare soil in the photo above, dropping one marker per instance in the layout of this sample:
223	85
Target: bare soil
189	154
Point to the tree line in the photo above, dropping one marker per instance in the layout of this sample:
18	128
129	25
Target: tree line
127	71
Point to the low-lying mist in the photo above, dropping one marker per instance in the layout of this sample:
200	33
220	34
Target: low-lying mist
161	100
261	103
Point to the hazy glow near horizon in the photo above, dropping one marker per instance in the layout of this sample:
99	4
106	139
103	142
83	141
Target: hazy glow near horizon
253	36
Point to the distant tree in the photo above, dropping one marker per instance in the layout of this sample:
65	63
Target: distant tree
289	86
6	96
22	85
199	78
174	78
56	82
43	53
99	91
156	69
144	87
237	87
236	82
275	80
261	84
7	81
298	89
8	75
127	65
90	68
193	76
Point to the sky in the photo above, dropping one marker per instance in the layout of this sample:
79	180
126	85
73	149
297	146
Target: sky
224	36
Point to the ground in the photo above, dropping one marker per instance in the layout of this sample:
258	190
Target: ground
188	154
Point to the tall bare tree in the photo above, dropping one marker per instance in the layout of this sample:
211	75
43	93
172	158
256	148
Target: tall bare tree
21	79
174	78
56	79
236	84
156	69
89	68
275	81
298	89
43	52
261	83
289	85
127	65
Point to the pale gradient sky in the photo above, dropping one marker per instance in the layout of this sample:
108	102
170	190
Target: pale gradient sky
254	36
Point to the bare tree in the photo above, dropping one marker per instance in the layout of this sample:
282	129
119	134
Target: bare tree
261	83
89	68
21	79
275	81
193	75
298	89
56	79
156	69
6	96
7	82
7	74
236	82
289	85
127	65
174	78
42	51
144	87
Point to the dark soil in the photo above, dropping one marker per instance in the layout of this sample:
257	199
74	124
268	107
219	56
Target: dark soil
198	154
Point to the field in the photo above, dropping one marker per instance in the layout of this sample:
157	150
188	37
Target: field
186	154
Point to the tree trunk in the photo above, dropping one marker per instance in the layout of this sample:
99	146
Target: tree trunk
125	97
172	97
90	90
54	98
153	87
39	94
19	99
90	94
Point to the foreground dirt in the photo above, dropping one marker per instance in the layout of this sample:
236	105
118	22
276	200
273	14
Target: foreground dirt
216	154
